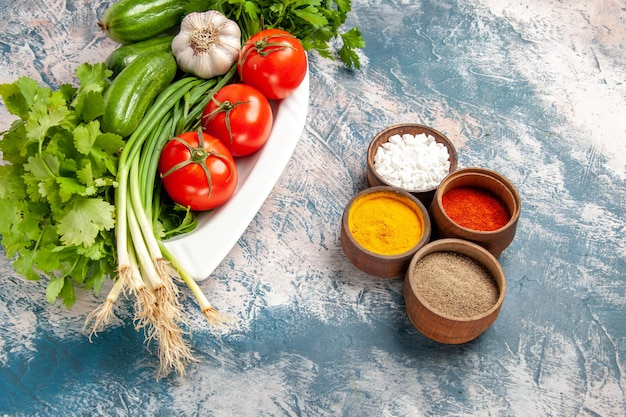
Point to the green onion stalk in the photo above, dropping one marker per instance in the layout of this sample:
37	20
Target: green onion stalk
145	267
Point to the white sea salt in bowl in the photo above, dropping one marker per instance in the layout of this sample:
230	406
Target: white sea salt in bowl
411	157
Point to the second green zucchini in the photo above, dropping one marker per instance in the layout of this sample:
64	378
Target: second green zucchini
134	89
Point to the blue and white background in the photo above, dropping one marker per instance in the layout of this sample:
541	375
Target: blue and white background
535	90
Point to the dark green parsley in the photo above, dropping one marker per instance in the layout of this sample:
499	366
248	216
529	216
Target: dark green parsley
316	23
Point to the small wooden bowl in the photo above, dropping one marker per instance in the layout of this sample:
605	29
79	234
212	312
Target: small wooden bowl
494	241
384	266
374	179
441	327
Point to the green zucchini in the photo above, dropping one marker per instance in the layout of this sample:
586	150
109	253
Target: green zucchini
134	89
129	21
125	54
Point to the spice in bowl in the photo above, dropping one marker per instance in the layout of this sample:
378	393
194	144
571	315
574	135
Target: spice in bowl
475	208
479	205
381	229
412	162
453	290
385	223
455	284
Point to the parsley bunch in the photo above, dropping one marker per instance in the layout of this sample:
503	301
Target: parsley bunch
57	179
316	23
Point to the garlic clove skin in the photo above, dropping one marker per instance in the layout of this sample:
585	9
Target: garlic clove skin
207	45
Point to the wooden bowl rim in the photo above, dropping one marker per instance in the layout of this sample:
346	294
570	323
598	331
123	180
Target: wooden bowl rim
413	129
443	245
492	176
427	227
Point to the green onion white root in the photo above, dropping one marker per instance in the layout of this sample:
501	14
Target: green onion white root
146	269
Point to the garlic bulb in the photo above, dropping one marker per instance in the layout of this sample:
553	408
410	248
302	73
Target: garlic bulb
207	45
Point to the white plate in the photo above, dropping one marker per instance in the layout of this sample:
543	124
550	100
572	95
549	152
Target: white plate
202	250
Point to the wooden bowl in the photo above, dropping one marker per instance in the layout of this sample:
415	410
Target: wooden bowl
439	326
372	262
374	179
494	241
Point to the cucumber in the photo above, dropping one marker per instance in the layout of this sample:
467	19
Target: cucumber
129	21
134	89
125	54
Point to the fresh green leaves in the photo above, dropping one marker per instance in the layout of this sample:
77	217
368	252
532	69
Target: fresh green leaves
56	183
316	23
352	40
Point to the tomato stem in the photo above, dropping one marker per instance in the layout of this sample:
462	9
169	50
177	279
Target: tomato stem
199	155
225	107
263	47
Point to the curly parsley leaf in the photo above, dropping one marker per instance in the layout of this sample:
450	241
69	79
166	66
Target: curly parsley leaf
56	184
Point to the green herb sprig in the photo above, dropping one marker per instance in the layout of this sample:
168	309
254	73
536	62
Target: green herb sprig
56	183
316	23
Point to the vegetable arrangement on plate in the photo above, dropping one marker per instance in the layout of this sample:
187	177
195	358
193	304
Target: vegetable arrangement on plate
95	177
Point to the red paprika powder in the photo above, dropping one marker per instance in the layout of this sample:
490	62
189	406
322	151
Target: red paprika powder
475	208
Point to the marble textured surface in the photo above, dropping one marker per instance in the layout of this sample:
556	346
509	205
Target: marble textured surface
535	90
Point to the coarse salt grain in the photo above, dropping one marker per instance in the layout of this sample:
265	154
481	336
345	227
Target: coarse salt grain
412	162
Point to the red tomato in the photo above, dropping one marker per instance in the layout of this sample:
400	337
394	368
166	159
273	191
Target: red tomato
241	117
274	62
197	171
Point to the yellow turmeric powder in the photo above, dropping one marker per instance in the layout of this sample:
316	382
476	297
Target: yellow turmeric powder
385	223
